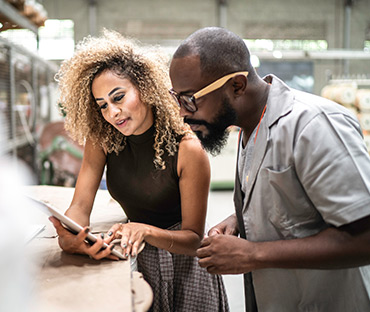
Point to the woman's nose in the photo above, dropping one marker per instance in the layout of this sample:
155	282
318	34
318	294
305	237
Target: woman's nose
113	111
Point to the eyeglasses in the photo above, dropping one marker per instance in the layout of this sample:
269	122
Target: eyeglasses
188	101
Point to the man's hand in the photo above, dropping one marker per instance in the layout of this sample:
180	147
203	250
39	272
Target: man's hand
217	251
227	227
226	254
332	248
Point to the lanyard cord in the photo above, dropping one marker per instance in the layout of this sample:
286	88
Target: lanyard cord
258	127
259	123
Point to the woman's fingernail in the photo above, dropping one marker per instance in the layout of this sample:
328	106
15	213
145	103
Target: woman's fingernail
134	254
110	233
126	255
124	245
87	230
111	247
102	235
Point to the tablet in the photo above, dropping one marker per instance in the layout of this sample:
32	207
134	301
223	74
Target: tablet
69	224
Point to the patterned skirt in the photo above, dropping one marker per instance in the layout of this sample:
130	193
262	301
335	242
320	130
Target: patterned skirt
179	283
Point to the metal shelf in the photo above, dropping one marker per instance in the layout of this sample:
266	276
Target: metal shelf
358	81
13	15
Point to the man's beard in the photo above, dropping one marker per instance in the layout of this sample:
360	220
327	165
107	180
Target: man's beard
217	136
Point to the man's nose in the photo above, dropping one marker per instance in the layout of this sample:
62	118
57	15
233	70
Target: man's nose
184	112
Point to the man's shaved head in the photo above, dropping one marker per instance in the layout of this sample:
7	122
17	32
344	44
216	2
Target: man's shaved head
221	52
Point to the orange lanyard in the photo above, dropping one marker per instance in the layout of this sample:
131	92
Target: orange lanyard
255	138
263	112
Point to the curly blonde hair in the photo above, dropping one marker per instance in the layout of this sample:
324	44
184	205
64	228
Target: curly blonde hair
145	67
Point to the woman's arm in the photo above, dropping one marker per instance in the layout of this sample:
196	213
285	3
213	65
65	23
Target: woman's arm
88	181
80	209
194	173
194	178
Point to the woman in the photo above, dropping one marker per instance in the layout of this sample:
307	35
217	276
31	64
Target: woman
115	96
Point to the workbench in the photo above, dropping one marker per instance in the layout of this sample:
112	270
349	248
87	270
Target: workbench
71	282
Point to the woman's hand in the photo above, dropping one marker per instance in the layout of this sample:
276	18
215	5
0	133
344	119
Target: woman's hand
132	236
72	243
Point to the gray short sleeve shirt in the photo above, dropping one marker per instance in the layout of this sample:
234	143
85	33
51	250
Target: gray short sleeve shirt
309	170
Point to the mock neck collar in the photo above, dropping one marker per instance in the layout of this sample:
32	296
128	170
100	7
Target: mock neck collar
142	138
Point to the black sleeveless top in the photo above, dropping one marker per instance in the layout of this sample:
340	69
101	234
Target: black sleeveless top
146	194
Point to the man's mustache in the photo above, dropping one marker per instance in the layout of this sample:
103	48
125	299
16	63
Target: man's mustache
195	122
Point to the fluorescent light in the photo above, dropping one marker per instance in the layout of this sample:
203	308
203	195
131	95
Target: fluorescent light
255	61
277	54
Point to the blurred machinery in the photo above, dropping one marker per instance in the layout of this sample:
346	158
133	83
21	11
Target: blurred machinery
27	86
59	156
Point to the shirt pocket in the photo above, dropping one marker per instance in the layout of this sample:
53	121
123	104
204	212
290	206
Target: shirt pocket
291	212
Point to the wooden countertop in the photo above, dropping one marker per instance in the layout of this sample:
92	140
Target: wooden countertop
68	282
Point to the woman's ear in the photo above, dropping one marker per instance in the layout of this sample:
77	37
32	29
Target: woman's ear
239	84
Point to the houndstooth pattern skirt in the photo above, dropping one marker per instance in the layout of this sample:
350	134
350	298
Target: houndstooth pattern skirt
179	284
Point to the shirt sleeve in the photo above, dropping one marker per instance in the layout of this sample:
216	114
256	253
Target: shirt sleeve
333	165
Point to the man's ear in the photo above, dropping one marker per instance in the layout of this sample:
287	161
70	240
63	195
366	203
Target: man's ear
239	85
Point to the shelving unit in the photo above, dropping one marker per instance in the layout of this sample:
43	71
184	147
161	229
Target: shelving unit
27	84
357	99
27	91
16	14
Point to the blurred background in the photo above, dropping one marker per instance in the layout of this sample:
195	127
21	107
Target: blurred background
322	47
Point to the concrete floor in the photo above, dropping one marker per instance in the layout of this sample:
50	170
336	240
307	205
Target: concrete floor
220	206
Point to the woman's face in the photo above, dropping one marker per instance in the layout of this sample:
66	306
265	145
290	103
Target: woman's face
120	104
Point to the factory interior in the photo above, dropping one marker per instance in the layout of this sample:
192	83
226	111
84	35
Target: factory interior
320	47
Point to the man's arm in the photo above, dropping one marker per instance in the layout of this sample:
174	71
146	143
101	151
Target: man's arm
334	248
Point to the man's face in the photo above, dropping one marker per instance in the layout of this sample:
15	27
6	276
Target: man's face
214	112
215	138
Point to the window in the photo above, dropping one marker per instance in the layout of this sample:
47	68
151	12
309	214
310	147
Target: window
367	46
56	39
272	45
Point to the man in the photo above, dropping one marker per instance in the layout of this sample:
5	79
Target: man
302	190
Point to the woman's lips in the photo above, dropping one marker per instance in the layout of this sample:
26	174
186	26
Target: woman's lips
122	123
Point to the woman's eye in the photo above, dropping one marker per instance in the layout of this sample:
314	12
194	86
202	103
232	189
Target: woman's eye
118	97
104	106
